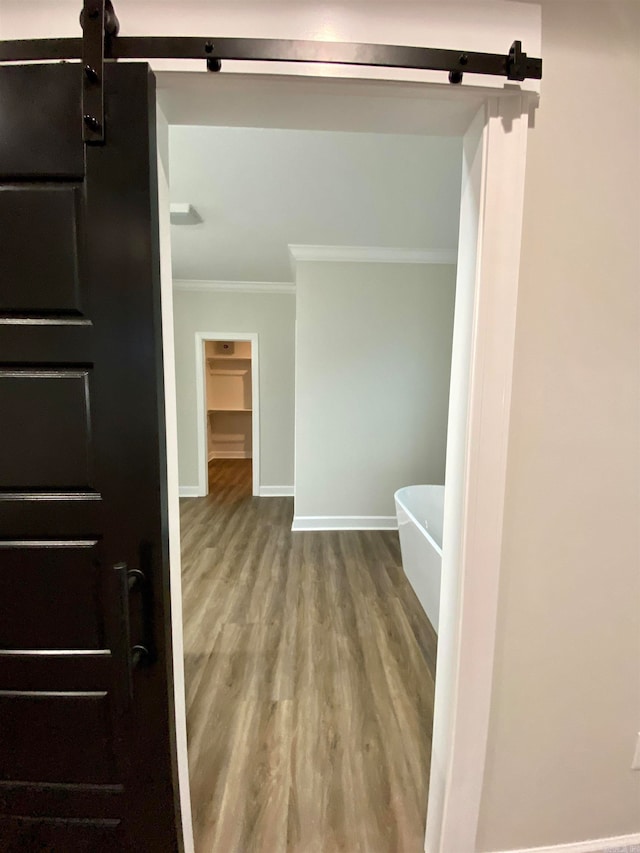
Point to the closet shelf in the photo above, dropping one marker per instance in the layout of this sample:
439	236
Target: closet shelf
228	358
228	410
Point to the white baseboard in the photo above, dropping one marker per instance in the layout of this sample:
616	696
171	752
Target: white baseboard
276	491
189	492
344	522
615	844
229	454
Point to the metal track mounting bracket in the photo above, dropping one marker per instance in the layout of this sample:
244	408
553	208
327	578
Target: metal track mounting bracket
99	24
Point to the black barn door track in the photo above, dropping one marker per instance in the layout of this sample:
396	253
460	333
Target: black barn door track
101	42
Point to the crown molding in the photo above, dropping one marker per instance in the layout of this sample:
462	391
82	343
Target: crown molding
372	255
264	287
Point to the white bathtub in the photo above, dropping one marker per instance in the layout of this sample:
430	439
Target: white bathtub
420	512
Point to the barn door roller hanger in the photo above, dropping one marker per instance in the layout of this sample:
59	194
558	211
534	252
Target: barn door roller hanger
100	41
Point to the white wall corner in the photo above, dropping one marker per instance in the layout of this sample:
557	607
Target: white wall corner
370	255
344	522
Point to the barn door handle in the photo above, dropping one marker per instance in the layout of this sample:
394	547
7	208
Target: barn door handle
137	655
140	653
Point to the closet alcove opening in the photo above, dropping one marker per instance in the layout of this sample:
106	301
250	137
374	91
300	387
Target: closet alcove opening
228	400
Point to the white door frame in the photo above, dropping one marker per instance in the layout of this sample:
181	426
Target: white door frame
474	507
201	408
478	435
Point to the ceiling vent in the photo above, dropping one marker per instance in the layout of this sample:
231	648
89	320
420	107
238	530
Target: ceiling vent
182	213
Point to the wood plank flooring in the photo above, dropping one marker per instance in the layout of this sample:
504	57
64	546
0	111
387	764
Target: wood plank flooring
310	680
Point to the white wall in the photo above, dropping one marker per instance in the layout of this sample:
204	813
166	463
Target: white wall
373	351
566	697
272	316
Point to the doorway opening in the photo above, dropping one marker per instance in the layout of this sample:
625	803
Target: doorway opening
298	617
228	410
236	643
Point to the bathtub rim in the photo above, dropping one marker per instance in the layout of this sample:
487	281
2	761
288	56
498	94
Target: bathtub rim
423	530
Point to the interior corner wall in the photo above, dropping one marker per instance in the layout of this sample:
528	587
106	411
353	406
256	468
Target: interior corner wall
272	316
373	358
566	697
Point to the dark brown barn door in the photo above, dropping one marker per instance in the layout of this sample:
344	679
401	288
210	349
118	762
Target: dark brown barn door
85	660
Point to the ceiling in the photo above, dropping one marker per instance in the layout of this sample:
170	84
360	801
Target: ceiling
260	189
307	103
